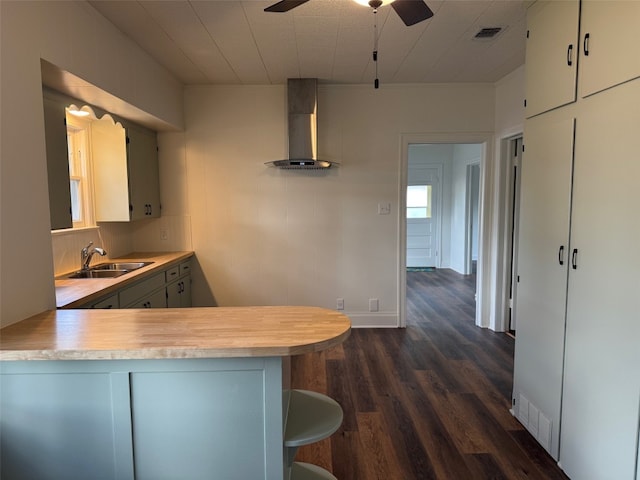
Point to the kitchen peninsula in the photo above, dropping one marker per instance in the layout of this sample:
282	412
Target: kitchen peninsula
168	393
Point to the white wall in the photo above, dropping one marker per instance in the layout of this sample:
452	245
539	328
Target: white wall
266	236
73	36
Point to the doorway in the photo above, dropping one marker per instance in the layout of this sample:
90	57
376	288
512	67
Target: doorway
455	166
423	214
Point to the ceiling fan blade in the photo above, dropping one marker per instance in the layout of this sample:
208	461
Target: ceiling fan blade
412	11
284	5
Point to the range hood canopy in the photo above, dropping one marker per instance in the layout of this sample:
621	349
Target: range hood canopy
302	107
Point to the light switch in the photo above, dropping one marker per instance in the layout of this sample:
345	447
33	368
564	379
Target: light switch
384	208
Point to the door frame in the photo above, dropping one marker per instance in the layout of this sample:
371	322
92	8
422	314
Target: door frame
513	221
486	140
469	233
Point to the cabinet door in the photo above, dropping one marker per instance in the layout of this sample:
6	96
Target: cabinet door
109	158
59	425
609	44
185	295
142	157
551	59
157	299
173	294
179	293
602	360
545	210
55	130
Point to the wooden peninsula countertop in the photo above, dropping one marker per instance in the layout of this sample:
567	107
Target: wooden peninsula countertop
209	332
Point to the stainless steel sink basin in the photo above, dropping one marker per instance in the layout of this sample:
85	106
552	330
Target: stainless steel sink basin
98	273
128	266
109	270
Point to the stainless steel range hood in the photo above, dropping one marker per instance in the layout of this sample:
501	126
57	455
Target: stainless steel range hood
302	106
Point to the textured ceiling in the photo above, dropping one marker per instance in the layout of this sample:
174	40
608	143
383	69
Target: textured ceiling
236	42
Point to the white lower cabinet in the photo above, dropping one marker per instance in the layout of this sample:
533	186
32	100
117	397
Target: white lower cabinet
545	214
179	286
169	288
157	299
138	295
601	389
111	301
577	356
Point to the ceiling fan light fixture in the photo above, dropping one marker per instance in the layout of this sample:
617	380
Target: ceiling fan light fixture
373	3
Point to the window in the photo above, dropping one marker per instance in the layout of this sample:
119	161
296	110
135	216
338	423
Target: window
78	150
419	201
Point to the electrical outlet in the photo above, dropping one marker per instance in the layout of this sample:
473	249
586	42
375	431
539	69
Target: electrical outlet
373	304
164	235
340	303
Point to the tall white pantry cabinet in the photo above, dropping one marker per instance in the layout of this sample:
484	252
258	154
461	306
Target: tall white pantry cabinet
577	356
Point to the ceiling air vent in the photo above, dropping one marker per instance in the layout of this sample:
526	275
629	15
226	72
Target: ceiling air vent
486	33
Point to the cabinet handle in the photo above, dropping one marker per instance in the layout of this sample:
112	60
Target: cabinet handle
561	255
574	259
570	55
585	45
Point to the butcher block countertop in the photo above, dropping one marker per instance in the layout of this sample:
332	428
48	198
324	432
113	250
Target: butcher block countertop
74	292
210	332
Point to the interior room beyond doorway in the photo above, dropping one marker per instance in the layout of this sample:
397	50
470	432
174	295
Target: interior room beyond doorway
452	172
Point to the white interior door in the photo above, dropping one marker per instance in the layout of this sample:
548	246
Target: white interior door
422	217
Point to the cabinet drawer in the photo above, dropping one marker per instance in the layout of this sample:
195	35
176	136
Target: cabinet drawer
131	294
172	274
185	268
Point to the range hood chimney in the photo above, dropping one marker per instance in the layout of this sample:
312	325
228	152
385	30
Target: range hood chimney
302	106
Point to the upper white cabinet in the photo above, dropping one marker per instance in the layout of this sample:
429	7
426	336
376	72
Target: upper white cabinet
125	163
609	34
551	60
144	182
583	47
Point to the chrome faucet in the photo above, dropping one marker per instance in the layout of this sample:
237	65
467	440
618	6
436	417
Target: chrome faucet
86	254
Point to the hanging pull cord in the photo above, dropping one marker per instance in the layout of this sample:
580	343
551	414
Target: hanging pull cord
376	82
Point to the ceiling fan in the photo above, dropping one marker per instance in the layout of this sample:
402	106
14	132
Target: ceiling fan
409	11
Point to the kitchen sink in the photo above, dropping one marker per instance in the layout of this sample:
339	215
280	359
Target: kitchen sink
98	273
128	266
109	270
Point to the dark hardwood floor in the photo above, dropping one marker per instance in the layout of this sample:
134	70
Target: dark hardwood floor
427	402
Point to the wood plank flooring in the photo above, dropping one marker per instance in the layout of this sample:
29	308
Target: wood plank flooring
427	402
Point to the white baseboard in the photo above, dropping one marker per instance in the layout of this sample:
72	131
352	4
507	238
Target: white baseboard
373	320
